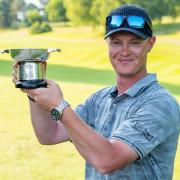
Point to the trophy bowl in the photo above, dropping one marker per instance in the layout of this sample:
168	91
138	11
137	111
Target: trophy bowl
31	66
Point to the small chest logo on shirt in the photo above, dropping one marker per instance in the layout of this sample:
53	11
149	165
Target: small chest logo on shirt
141	129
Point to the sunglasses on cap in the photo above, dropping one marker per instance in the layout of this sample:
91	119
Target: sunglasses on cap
115	21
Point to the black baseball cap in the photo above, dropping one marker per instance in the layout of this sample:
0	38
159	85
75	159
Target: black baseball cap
130	10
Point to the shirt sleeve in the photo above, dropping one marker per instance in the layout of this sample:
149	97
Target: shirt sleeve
85	110
150	125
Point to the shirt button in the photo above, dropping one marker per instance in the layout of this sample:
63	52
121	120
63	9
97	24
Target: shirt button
106	128
109	123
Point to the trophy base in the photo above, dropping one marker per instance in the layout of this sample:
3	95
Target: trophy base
31	84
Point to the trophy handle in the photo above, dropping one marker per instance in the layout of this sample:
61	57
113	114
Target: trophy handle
4	51
50	50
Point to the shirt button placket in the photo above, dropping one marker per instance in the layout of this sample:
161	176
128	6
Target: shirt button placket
106	130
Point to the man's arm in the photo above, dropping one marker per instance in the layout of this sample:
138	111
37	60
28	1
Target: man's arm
47	130
106	156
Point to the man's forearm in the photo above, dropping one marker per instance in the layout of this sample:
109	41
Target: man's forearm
90	144
46	130
105	155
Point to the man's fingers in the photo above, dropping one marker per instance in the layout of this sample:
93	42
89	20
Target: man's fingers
14	74
33	92
50	82
15	65
24	90
14	80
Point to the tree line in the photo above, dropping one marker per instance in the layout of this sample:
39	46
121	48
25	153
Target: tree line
17	13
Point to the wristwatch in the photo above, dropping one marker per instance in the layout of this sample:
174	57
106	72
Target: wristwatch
56	112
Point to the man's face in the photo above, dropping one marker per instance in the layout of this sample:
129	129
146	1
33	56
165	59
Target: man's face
128	53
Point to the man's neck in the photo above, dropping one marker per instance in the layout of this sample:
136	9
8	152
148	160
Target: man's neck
124	83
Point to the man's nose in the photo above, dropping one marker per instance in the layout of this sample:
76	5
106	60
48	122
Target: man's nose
125	49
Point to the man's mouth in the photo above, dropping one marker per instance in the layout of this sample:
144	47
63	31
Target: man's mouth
127	61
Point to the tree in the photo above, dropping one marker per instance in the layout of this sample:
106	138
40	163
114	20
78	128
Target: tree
56	11
159	8
9	12
5	15
31	6
78	11
43	2
36	22
100	9
17	7
33	16
94	12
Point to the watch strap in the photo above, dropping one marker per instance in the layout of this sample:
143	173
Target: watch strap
62	105
59	110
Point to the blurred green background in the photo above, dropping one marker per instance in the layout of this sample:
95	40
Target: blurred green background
80	69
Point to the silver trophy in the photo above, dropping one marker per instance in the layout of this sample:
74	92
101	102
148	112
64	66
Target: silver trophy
31	66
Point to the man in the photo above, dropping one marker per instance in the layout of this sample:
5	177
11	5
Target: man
129	131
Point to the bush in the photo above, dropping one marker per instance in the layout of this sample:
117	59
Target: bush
33	16
38	27
45	27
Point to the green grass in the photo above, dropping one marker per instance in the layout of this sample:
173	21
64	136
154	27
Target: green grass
81	68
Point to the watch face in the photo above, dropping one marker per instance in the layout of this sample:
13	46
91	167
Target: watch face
55	114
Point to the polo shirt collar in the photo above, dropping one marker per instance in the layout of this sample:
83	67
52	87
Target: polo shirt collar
141	84
137	87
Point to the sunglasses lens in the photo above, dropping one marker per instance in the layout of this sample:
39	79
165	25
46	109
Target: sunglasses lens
135	21
116	21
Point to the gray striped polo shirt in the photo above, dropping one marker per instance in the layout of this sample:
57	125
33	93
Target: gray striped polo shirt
146	117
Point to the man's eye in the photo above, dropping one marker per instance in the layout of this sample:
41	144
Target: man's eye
116	43
135	43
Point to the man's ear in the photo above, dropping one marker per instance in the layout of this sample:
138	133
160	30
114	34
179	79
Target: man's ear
151	43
